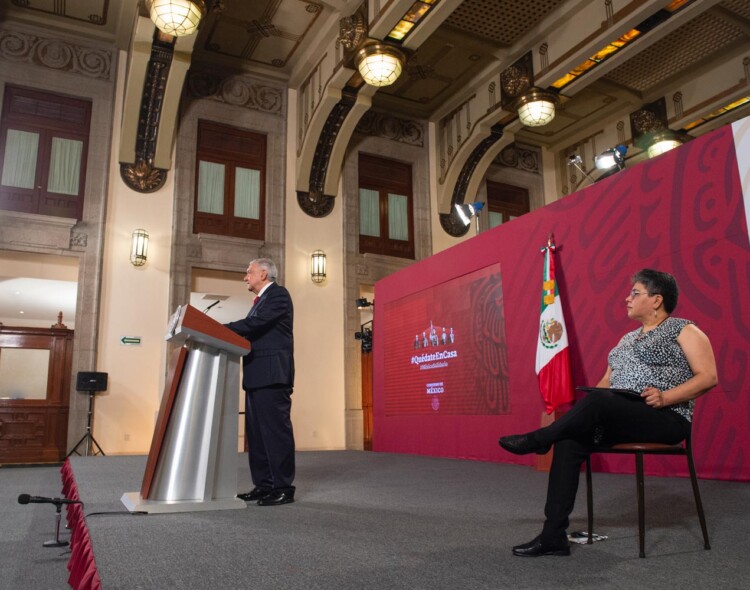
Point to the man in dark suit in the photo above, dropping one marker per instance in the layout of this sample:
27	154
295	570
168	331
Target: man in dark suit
268	380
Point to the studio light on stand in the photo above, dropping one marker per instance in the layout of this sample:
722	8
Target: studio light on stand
576	161
613	157
363	303
466	211
610	161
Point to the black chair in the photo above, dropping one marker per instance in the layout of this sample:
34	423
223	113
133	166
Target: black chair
639	450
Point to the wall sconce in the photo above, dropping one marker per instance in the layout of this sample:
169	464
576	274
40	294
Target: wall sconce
176	17
318	266
536	107
139	247
380	64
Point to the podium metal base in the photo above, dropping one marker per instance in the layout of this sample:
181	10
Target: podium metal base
134	503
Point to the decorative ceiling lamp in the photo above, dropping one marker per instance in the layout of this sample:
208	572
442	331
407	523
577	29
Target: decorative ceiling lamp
650	129
176	17
380	64
536	107
663	142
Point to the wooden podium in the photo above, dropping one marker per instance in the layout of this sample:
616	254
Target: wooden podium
192	464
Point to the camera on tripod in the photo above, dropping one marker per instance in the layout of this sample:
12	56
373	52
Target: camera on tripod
365	336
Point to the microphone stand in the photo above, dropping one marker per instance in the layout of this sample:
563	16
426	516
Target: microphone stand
56	542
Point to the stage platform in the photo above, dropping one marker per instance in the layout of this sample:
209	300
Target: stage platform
376	520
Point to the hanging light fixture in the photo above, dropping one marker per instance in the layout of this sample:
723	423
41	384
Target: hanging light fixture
139	247
318	266
664	141
176	17
380	64
536	107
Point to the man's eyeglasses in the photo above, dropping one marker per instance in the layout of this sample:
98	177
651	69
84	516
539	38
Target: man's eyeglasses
634	293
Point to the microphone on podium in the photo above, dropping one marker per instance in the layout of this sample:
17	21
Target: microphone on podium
210	306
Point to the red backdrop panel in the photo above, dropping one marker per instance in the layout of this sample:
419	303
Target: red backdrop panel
682	212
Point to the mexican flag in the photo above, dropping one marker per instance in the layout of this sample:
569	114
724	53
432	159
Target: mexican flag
552	352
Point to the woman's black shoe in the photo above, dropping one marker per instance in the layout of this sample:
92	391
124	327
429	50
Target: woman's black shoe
522	444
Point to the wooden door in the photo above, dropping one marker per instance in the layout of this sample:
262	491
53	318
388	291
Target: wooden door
35	373
367	399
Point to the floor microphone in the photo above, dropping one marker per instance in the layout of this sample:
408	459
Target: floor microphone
26	499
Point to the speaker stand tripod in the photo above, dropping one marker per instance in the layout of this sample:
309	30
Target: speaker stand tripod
88	438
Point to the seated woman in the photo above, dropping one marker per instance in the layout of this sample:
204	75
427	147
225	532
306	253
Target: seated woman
669	360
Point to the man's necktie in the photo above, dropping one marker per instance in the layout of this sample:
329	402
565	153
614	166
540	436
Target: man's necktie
255	301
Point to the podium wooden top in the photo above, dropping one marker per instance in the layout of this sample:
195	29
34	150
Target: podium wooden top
189	323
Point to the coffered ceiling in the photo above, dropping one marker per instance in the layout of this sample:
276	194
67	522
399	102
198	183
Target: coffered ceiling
279	38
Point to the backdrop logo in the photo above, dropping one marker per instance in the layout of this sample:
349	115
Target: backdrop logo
433	390
434	336
550	333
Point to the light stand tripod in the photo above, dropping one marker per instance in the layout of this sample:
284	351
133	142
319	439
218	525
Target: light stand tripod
88	437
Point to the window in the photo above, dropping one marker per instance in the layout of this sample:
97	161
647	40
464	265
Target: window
386	222
43	148
505	202
230	182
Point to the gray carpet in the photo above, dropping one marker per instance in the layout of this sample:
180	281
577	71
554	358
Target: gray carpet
373	520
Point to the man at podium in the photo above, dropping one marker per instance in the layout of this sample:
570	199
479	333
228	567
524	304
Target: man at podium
268	381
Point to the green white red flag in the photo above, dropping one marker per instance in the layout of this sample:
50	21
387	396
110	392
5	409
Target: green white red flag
552	351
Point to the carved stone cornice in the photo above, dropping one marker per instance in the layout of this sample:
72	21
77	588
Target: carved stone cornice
236	90
388	127
78	239
519	157
449	221
314	202
56	54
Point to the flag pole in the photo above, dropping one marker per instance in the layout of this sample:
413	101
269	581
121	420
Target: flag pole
550	296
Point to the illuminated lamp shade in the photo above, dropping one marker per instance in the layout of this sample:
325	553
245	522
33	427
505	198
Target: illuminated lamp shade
663	142
536	107
379	64
139	247
176	17
318	266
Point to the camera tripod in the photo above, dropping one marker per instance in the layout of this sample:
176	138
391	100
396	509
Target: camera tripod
88	438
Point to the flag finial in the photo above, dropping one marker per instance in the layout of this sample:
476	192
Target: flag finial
550	243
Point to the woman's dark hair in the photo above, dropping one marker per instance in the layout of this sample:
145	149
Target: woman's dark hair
659	283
